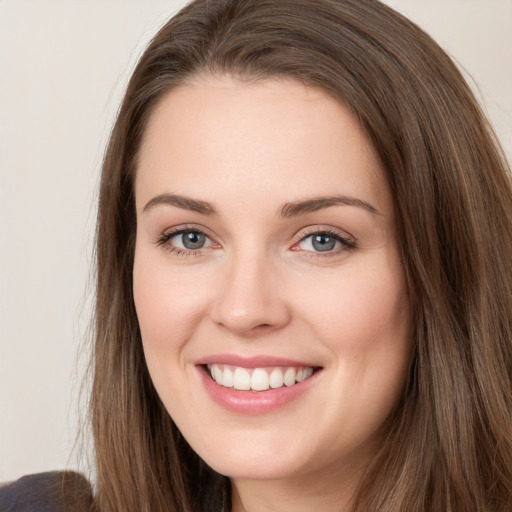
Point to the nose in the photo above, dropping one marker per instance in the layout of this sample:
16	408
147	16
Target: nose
251	299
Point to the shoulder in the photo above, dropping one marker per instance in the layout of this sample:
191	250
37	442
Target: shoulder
57	491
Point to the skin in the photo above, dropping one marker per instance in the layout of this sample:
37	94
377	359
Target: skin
259	286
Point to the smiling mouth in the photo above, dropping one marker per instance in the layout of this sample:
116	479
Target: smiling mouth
258	379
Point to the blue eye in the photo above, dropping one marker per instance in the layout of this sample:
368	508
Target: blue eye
320	242
189	240
325	242
185	242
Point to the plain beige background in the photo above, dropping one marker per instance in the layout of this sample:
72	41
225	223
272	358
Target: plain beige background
63	68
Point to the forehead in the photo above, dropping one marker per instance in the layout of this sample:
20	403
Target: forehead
273	138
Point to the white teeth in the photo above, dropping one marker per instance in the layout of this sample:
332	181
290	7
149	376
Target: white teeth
242	379
258	379
227	379
217	374
302	374
276	378
289	377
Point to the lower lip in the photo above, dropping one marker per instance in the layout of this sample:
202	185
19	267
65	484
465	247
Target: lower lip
254	402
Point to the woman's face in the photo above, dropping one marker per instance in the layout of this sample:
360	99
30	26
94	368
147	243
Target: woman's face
266	255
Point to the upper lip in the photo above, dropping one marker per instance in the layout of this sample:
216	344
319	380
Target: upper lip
252	361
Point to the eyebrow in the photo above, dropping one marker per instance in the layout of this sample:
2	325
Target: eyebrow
185	203
312	205
288	210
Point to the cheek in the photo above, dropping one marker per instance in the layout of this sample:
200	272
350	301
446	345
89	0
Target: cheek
359	309
169	305
363	320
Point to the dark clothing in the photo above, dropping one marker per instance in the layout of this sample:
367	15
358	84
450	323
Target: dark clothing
47	492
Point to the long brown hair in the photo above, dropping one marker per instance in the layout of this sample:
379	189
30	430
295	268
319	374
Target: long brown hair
449	446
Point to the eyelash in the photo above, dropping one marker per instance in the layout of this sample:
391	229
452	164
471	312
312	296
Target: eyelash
164	239
348	244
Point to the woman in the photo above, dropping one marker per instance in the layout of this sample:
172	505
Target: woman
303	285
435	341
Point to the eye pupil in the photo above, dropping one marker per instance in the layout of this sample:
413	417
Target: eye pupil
193	240
323	243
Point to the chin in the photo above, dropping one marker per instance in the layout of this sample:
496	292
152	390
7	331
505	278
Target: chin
261	460
254	468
